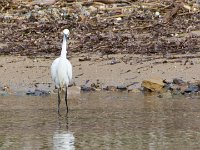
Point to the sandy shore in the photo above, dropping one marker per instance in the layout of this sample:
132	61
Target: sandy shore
20	73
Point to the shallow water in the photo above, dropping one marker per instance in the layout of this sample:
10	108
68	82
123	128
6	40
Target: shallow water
101	121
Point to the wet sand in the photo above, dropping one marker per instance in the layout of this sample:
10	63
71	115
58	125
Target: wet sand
20	73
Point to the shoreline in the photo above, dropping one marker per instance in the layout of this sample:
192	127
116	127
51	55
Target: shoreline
23	74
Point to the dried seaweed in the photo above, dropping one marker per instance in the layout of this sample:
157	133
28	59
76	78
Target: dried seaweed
104	26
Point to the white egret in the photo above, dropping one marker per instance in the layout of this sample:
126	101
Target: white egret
61	70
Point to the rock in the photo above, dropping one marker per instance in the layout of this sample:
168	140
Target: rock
178	81
110	88
95	86
86	88
38	92
168	85
122	87
91	87
179	86
178	89
134	87
87	58
154	84
191	88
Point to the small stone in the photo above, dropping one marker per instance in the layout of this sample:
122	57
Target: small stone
157	14
113	62
85	59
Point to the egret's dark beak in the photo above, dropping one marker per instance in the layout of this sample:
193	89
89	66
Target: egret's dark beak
67	37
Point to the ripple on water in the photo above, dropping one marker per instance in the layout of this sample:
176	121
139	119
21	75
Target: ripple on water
100	120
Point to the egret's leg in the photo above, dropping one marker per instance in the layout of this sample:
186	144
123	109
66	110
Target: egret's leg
66	100
66	120
59	101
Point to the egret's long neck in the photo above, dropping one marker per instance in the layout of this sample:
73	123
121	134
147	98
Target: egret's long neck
64	47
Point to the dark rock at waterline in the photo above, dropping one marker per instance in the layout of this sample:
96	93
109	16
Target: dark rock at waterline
177	89
38	92
86	88
90	87
122	87
192	88
179	86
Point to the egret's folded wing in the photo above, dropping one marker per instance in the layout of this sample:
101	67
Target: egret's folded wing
69	70
54	67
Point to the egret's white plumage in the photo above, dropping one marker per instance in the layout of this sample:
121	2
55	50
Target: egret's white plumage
61	70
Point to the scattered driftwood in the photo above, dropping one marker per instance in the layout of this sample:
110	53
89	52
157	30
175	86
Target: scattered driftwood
171	13
112	1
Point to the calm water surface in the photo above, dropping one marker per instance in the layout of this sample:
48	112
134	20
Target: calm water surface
110	121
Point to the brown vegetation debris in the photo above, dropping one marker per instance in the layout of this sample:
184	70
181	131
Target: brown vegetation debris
104	26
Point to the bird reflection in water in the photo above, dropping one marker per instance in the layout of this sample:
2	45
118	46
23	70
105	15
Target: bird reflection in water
63	139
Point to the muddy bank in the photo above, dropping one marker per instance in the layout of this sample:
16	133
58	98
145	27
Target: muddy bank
21	74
